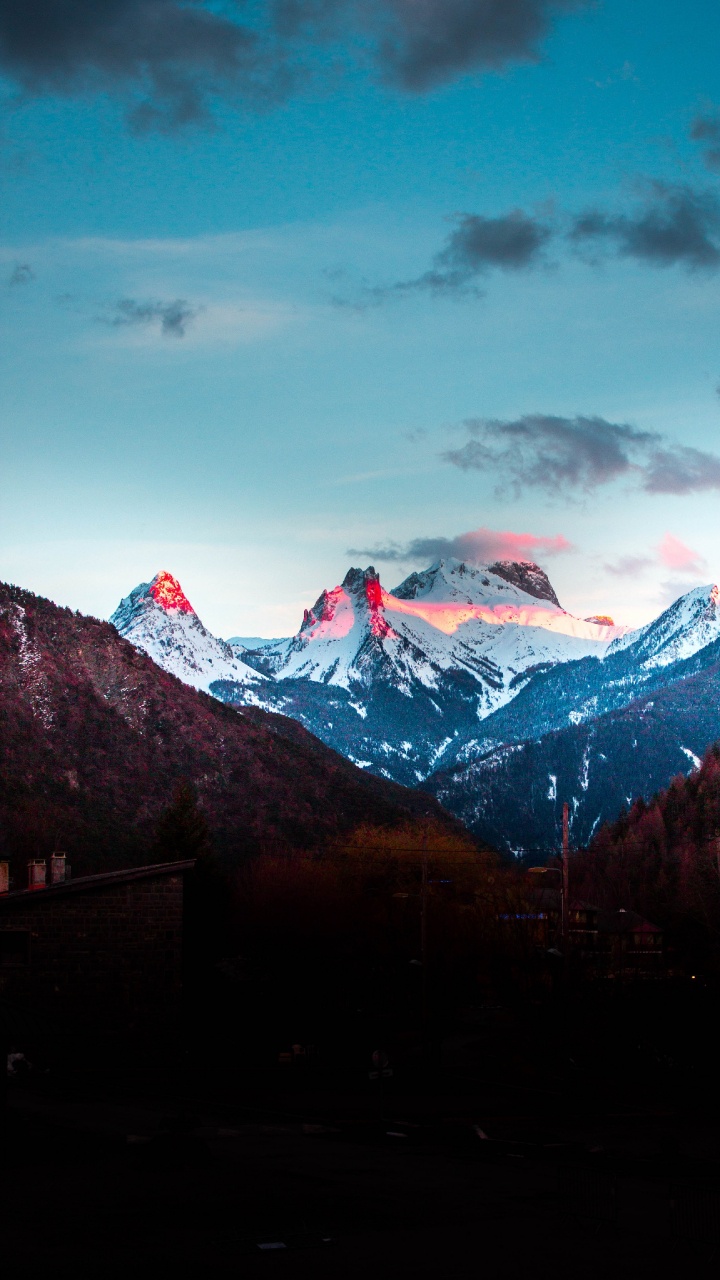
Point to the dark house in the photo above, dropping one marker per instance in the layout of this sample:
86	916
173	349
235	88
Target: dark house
604	943
96	957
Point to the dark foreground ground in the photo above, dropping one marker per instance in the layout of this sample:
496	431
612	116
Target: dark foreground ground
301	1172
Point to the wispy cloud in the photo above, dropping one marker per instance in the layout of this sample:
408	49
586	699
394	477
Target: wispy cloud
478	546
579	455
674	226
628	566
173	317
422	45
165	56
670	553
22	273
679	470
706	128
675	555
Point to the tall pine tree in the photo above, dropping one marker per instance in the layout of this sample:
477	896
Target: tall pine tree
182	831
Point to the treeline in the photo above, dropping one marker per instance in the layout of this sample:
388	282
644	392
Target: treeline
376	938
662	858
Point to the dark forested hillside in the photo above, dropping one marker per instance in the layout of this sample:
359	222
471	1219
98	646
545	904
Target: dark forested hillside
513	796
663	858
94	738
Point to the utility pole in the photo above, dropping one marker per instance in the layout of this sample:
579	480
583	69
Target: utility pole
565	881
423	943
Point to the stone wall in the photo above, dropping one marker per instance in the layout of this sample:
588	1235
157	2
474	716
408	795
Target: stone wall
103	958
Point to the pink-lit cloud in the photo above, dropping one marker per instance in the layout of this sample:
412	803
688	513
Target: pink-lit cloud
675	555
478	546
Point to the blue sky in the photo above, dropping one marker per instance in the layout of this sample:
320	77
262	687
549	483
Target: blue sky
240	344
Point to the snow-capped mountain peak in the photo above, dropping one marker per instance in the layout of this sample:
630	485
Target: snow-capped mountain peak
683	629
491	622
451	577
158	618
451	595
359	598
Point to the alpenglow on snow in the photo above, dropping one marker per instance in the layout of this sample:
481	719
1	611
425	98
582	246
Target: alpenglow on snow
465	680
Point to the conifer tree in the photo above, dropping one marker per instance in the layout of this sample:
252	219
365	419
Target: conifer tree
182	831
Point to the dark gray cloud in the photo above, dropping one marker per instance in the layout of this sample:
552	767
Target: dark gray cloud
706	128
681	469
511	242
22	273
561	455
544	452
423	43
173	317
171	54
478	546
176	54
676	225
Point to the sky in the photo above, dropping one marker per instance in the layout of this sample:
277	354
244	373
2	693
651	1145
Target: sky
290	285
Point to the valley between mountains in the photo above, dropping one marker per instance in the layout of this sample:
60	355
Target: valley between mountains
473	684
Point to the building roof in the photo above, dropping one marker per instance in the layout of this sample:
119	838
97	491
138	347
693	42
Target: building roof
622	921
609	920
84	883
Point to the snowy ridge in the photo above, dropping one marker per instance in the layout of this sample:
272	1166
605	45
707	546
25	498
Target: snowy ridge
687	626
158	618
458	680
493	623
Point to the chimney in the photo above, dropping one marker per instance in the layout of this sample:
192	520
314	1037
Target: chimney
4	877
37	873
58	868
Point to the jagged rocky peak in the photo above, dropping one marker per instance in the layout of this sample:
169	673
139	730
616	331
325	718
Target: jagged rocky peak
602	619
363	582
167	592
528	576
158	618
163	592
361	585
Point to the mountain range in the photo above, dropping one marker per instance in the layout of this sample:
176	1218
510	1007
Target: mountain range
473	683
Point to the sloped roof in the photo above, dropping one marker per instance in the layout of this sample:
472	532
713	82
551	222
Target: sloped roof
83	884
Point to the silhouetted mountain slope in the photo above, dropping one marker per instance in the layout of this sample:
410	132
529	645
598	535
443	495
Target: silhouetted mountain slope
94	737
